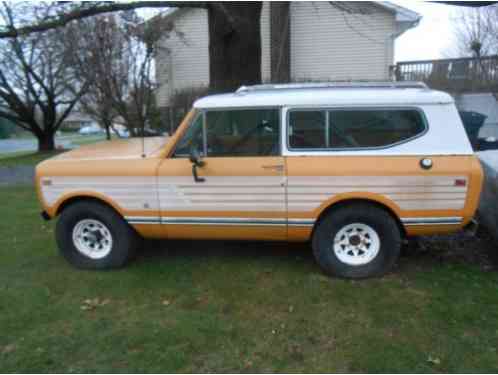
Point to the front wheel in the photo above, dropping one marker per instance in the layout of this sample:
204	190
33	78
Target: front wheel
357	241
93	236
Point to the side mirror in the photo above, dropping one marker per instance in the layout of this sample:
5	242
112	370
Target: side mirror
195	159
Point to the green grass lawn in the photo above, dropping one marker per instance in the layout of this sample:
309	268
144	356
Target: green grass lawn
25	158
233	307
79	140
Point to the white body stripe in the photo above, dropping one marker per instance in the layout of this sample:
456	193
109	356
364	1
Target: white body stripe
306	193
223	193
130	193
258	193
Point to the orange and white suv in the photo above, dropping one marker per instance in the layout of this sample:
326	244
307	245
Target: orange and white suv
352	168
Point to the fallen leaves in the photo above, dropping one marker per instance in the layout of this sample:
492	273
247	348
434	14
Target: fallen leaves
92	304
8	349
434	360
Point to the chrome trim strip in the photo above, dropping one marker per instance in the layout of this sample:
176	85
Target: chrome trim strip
432	220
219	221
223	221
143	219
224	224
410	221
300	222
143	222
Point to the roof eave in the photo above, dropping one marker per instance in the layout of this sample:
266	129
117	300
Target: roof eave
406	19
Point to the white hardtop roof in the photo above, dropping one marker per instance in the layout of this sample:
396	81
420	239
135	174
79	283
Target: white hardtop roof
325	95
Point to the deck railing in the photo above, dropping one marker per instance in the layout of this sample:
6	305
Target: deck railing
455	75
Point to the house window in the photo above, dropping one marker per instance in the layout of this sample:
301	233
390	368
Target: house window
353	128
245	132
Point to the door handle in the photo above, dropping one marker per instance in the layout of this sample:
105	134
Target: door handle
195	164
196	176
274	167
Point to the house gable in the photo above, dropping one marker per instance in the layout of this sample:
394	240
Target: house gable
325	44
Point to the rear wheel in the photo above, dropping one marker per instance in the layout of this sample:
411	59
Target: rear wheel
93	236
357	241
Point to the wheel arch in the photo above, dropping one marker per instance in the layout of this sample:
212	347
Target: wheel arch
360	200
73	198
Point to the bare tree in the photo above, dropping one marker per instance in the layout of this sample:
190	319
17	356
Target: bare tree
114	55
476	31
38	87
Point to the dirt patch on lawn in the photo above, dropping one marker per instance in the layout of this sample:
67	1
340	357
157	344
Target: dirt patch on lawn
479	249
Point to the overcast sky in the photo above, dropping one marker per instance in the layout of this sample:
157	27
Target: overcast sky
433	37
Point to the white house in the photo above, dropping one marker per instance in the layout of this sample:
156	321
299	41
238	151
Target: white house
327	42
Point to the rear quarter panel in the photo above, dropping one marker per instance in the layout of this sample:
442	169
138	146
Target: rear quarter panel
396	182
391	176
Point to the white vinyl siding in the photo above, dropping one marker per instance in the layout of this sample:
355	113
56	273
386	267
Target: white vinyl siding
183	56
323	46
265	43
328	44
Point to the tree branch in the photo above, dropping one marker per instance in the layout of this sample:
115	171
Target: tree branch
16	120
80	13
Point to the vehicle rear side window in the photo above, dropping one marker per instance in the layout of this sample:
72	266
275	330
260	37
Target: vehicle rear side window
356	128
307	129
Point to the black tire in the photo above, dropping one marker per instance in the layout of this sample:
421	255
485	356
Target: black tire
124	238
380	221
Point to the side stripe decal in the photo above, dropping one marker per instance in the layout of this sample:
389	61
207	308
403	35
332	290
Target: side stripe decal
271	222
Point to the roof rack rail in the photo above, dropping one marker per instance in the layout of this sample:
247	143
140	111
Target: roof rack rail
335	85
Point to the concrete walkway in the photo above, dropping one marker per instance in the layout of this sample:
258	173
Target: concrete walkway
17	175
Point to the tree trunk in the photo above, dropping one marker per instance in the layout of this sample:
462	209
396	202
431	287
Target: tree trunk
234	45
46	142
280	41
107	127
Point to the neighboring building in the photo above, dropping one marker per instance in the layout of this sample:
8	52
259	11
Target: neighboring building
77	120
349	41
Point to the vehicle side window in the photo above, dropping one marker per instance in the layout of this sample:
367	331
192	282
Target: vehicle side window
353	128
307	129
247	132
373	128
193	137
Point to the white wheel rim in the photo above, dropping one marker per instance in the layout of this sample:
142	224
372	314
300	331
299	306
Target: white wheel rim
356	244
92	238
